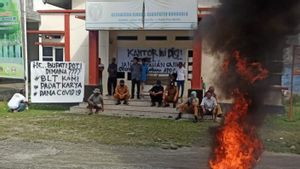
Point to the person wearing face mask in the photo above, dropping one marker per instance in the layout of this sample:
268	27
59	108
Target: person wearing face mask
122	93
156	93
190	106
171	95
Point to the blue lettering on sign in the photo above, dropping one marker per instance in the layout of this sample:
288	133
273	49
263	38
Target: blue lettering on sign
174	13
126	14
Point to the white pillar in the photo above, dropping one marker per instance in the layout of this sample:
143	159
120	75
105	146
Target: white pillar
104	55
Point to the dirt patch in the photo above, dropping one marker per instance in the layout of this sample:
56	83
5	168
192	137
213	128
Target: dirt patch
19	154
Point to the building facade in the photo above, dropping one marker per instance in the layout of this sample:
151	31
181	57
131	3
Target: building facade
63	37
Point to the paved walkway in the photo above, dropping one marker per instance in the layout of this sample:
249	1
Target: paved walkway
61	155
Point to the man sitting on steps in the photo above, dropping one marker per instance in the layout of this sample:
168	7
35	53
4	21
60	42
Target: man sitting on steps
122	93
171	94
95	101
156	93
190	106
209	105
218	110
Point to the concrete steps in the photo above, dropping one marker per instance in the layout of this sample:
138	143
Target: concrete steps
136	108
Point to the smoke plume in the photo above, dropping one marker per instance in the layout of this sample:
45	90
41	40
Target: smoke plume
258	30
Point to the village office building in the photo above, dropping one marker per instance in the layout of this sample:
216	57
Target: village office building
72	33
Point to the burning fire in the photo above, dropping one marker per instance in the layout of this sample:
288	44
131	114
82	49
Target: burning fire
238	146
249	71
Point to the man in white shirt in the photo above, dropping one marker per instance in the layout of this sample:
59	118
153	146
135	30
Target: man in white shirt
18	102
181	76
208	104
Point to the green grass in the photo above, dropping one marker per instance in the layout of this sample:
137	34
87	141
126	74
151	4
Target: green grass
280	134
277	133
54	124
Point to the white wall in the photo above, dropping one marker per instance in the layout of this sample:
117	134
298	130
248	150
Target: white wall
78	4
78	34
104	55
39	5
79	43
52	22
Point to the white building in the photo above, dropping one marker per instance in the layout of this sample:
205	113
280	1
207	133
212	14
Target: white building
63	37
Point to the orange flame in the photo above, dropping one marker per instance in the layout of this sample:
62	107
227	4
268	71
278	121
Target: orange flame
249	71
238	146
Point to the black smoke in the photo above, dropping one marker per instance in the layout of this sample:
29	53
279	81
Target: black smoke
256	28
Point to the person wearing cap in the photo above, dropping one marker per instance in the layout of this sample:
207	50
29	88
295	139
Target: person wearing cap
95	101
18	102
156	93
171	94
209	105
190	106
122	93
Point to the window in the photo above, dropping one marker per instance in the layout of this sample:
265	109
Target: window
156	37
59	54
127	38
53	54
47	51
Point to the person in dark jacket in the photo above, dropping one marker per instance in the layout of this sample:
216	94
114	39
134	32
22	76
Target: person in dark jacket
136	71
156	93
112	77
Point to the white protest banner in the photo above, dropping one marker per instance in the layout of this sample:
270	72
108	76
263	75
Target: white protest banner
57	82
160	60
117	14
171	14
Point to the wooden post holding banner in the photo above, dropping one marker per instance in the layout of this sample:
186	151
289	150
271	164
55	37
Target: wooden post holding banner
25	51
296	53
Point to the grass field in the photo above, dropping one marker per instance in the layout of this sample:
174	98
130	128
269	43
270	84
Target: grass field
54	124
278	134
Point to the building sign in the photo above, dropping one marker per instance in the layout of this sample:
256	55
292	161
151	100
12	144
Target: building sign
117	14
171	14
159	60
57	82
11	59
141	14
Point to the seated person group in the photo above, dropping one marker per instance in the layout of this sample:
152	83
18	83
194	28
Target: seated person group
208	106
157	94
163	97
